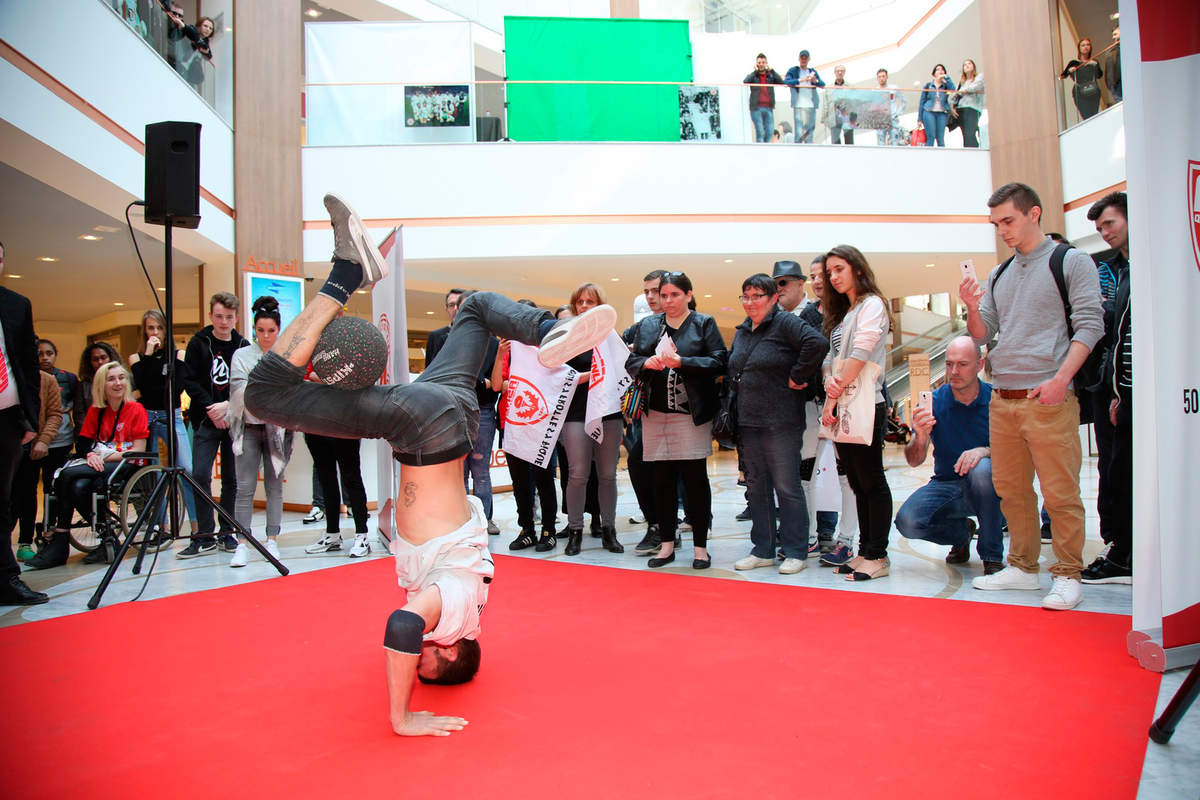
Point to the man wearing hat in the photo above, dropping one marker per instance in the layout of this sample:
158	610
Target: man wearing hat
804	83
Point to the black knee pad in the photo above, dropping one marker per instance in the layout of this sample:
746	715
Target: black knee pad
404	633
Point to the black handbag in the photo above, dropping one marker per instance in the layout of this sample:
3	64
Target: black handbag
725	424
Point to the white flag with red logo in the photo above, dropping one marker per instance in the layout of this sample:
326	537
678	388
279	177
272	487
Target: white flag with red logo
538	399
607	384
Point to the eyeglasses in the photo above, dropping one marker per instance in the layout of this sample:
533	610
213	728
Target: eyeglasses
752	298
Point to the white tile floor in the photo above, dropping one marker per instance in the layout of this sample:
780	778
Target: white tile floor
918	569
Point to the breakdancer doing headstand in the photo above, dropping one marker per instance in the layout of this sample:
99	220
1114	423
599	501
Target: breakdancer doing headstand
442	558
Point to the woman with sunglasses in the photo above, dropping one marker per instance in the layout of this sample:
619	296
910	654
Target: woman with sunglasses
678	354
774	356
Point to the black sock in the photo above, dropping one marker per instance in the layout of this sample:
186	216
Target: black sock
344	278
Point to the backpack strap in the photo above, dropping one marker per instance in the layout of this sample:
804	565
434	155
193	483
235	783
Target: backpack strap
1056	269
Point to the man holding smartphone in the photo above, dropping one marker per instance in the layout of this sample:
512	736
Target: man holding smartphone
955	420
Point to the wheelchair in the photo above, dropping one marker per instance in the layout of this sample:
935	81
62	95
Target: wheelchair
115	509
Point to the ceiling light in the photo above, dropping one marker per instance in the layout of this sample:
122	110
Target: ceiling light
729	261
429	313
614	280
930	265
105	229
50	259
162	288
708	295
1115	15
313	12
16	276
118	304
88	237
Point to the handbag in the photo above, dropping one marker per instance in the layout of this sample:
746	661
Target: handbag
856	405
725	424
633	402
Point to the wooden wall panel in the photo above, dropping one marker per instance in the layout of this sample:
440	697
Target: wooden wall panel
1021	72
624	9
267	121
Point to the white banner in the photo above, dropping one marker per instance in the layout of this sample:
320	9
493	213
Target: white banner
537	405
1161	54
390	316
607	383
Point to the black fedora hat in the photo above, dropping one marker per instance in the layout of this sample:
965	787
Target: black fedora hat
788	269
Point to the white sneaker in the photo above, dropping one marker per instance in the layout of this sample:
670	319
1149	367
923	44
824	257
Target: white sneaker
1065	594
570	337
753	562
1008	578
328	543
315	515
636	519
240	556
352	242
791	566
273	549
361	546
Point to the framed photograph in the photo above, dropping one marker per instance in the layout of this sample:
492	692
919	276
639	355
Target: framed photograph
437	106
699	113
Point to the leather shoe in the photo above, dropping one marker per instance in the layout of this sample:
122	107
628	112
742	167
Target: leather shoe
701	563
655	563
15	593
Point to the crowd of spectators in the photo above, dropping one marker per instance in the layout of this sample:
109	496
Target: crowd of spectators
1057	334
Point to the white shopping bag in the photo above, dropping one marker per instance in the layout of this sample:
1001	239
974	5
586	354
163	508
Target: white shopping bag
856	405
826	488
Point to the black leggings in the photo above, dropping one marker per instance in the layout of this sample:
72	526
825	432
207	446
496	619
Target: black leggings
330	454
872	496
74	489
641	473
697	497
524	477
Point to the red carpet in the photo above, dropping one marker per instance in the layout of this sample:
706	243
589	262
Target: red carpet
596	683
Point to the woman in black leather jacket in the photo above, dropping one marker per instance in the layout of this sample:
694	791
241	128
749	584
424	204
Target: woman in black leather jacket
681	401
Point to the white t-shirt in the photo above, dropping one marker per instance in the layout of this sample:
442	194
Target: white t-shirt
461	566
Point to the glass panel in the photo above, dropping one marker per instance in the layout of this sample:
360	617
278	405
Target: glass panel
1090	51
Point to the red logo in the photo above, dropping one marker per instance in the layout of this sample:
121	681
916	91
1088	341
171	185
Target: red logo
1194	206
526	406
385	328
598	369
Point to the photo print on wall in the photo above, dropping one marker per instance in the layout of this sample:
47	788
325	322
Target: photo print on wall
437	106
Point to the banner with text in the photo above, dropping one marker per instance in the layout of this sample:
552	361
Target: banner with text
537	405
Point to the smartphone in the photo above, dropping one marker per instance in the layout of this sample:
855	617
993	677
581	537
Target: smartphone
925	401
968	270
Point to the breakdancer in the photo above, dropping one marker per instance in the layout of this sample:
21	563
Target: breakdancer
442	557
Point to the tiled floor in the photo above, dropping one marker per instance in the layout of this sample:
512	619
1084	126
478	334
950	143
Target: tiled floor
918	569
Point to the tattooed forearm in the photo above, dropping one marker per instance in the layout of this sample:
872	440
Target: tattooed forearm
293	343
410	493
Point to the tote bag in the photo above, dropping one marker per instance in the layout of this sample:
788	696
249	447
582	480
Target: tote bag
856	405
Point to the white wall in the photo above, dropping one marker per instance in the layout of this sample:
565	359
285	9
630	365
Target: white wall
1093	159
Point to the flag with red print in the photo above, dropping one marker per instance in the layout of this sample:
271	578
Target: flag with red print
538	399
608	382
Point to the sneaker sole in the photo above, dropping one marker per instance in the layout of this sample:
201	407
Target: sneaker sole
182	555
322	550
370	259
578	335
988	588
1060	606
1124	579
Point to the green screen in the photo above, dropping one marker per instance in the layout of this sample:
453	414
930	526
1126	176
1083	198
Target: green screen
569	49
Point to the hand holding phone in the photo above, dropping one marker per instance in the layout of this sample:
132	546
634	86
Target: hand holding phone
968	270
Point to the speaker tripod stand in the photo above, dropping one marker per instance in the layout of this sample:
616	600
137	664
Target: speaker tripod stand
162	505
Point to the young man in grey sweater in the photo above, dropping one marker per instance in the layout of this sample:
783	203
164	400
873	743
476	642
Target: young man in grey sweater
1034	416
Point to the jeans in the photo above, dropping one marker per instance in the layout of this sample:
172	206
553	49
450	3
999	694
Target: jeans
433	420
935	127
1029	438
968	122
938	511
805	119
183	451
477	469
773	470
208	441
582	452
255	453
764	123
872	496
331	454
840	135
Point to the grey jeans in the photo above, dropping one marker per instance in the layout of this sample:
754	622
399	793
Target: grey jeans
255	452
581	451
433	420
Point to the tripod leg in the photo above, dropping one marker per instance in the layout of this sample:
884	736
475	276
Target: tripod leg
155	496
227	519
1163	727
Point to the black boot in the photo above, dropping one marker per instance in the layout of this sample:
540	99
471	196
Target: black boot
54	554
597	528
574	541
609	534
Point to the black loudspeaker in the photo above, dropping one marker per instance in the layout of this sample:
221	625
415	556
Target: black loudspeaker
173	174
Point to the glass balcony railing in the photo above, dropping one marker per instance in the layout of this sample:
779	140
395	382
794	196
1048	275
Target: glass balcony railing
347	114
179	44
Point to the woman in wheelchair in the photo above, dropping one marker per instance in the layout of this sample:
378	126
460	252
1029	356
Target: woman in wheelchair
114	424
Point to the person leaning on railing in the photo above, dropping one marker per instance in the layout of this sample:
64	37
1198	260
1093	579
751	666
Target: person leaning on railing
967	103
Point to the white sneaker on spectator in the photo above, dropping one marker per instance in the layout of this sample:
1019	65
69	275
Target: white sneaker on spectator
753	562
1065	594
315	515
326	544
1008	578
791	566
273	549
361	546
240	556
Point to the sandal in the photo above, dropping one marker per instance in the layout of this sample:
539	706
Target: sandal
850	566
881	571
